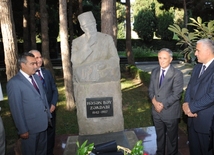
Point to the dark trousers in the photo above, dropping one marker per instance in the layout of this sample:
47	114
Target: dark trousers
36	144
198	142
167	136
212	136
51	135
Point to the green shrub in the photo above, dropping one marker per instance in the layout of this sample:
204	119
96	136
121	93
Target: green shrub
155	44
133	71
144	24
140	52
139	74
164	20
144	77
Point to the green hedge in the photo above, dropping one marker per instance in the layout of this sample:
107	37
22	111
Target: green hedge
155	44
139	74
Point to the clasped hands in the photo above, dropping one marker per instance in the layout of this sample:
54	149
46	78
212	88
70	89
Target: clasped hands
158	105
187	110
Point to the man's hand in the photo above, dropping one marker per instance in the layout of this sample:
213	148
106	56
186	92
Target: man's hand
52	108
24	135
187	110
158	105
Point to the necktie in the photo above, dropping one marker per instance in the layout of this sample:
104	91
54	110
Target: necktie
41	78
34	83
202	70
161	78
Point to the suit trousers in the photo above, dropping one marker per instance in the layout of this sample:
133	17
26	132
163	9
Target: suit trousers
36	144
167	136
51	135
198	142
211	145
2	138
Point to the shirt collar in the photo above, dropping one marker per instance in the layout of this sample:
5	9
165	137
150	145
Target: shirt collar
25	74
208	63
166	69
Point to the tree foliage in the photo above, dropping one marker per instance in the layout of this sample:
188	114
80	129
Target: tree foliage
121	17
167	4
202	8
163	22
145	23
188	39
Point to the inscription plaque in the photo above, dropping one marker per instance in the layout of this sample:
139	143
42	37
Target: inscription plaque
99	107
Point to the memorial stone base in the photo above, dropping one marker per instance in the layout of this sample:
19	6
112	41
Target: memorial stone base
99	108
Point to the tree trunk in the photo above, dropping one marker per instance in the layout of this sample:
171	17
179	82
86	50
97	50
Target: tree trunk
70	21
66	63
129	52
115	23
32	25
26	44
185	14
107	15
45	37
80	7
9	38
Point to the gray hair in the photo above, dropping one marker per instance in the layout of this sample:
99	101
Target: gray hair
23	58
167	50
208	42
32	51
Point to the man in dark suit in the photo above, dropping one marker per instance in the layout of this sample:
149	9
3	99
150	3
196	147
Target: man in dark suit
52	96
165	89
199	99
29	107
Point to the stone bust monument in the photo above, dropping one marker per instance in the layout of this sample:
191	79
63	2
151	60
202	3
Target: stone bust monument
94	56
96	78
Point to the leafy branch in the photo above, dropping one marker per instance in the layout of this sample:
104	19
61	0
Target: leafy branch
189	39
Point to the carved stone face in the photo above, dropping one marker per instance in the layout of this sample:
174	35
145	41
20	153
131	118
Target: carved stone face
89	29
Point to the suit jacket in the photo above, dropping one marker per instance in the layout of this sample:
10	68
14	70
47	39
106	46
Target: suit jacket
50	87
28	107
200	96
168	94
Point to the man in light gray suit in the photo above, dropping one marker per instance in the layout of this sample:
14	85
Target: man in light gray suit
29	107
166	86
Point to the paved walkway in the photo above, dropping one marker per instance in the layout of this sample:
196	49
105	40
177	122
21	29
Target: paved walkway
185	68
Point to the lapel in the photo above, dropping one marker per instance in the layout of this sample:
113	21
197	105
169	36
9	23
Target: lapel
85	53
157	78
39	83
44	73
208	71
196	81
27	82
